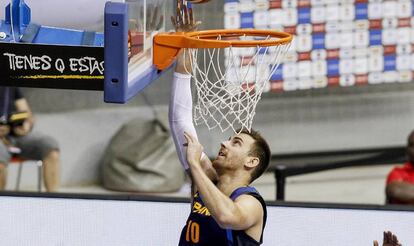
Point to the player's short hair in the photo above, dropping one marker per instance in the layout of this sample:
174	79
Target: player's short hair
261	150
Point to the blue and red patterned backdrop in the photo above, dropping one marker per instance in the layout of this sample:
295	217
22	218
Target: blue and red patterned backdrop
336	43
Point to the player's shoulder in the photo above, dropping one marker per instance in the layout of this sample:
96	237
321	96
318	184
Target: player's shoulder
247	198
247	194
251	207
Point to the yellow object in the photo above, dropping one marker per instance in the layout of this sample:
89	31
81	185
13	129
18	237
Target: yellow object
21	116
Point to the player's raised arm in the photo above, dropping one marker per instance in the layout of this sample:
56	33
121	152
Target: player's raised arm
181	103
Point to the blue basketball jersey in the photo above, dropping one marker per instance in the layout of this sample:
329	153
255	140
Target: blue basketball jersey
202	229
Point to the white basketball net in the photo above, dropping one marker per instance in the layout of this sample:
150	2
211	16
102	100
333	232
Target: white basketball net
229	83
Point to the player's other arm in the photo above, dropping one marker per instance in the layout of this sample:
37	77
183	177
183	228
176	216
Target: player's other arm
241	214
181	103
180	115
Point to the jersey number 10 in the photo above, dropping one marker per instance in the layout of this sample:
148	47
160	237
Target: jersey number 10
193	232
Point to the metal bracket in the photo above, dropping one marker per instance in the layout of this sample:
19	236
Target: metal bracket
18	17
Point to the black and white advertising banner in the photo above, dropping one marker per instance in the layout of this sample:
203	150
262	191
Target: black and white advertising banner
51	66
70	221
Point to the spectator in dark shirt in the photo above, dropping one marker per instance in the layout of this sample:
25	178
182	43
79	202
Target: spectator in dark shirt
34	146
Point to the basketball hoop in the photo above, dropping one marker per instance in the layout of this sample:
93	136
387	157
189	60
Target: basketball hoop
231	68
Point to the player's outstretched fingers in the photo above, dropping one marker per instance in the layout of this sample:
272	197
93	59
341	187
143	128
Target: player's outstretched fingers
178	14
387	237
394	239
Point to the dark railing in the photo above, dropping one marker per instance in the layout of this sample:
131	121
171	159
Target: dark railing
286	165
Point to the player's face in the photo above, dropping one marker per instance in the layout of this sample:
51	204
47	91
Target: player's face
234	152
410	148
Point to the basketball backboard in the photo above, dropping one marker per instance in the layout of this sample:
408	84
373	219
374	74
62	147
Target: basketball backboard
72	28
129	30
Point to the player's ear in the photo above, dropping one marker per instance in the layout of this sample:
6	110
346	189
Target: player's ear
252	162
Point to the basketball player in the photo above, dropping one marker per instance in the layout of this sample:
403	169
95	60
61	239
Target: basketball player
225	209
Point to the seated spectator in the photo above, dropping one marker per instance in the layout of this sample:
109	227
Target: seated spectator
400	181
18	135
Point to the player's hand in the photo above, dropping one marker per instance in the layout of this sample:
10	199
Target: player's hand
24	129
194	150
184	19
184	22
389	240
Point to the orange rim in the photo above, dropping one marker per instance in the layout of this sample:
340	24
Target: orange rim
198	39
167	45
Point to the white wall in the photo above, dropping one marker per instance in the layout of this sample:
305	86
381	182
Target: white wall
53	221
